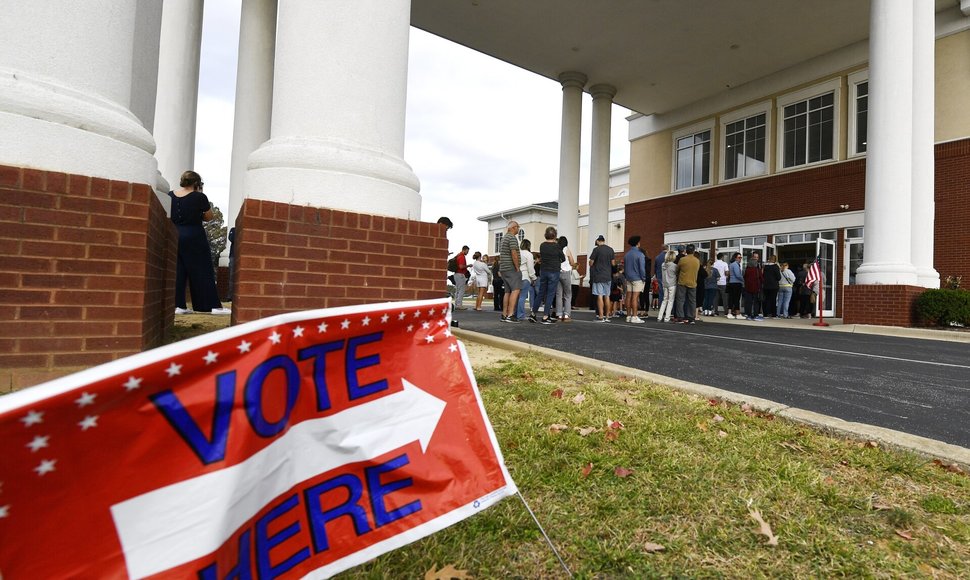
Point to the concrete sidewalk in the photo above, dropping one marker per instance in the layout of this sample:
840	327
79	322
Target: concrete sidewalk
861	431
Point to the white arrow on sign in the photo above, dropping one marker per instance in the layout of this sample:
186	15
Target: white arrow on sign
178	523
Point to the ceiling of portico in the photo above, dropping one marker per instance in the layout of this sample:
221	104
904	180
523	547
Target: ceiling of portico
659	54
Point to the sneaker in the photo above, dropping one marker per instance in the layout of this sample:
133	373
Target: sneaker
513	320
759	318
532	318
546	320
605	319
690	322
505	318
221	311
629	318
566	318
636	320
184	311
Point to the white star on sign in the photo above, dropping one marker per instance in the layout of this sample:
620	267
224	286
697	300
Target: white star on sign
275	337
425	325
417	313
442	322
173	369
85	399
448	332
132	384
429	338
210	357
400	316
88	422
298	331
345	324
365	321
244	346
431	312
385	318
453	347
38	443
4	511
33	418
410	328
322	327
46	466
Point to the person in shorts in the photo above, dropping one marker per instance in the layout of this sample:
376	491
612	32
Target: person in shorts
509	264
601	261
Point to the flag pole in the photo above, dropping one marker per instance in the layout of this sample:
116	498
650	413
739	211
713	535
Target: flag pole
821	300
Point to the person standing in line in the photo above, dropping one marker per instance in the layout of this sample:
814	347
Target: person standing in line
805	291
784	291
528	282
635	272
461	278
753	286
551	258
600	268
498	287
658	263
481	274
564	292
699	290
735	285
668	272
509	263
710	288
772	282
721	298
685	301
191	207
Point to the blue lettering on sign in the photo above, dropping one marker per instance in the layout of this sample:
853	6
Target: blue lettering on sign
254	394
377	491
212	449
265	542
318	353
241	571
350	507
354	364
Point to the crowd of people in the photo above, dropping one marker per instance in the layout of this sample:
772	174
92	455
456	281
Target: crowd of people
681	286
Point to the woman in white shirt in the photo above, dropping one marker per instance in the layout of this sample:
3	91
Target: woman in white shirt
527	265
480	274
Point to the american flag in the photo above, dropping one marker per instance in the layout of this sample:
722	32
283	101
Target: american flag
814	274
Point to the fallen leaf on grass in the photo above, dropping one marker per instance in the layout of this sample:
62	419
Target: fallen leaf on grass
585	431
905	534
713	402
449	572
558	427
587	469
721	434
622	472
611	424
747	409
557	393
868	445
763	527
718	418
951	467
881	507
702	427
580	372
792	446
650	548
612	435
579	398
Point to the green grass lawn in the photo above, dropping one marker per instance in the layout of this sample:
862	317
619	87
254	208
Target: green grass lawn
687	473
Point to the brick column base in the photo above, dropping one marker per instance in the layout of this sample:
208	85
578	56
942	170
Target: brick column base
87	273
882	305
291	258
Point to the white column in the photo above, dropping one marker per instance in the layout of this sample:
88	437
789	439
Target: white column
337	137
178	87
889	169
924	158
254	93
66	90
599	163
569	151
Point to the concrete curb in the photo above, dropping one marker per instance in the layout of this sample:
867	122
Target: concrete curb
888	437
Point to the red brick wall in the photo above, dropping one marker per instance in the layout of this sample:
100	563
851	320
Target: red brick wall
950	255
292	258
882	305
85	276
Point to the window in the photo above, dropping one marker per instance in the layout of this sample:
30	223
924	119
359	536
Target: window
808	126
858	112
744	147
692	156
498	242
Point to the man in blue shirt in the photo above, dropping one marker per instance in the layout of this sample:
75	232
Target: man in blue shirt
635	270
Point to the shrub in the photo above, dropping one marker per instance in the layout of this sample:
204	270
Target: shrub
944	306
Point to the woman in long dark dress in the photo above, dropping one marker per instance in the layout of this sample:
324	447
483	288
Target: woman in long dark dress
191	207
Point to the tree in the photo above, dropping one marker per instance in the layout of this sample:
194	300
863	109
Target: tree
215	230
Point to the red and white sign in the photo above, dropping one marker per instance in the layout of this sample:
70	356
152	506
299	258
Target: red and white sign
298	445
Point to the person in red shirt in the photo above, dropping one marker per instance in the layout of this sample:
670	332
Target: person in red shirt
461	278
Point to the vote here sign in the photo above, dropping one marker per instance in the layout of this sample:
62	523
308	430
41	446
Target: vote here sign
294	446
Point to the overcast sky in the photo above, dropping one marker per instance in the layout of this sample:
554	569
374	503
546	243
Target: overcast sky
482	135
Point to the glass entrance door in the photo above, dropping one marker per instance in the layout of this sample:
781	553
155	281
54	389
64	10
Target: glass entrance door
825	250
